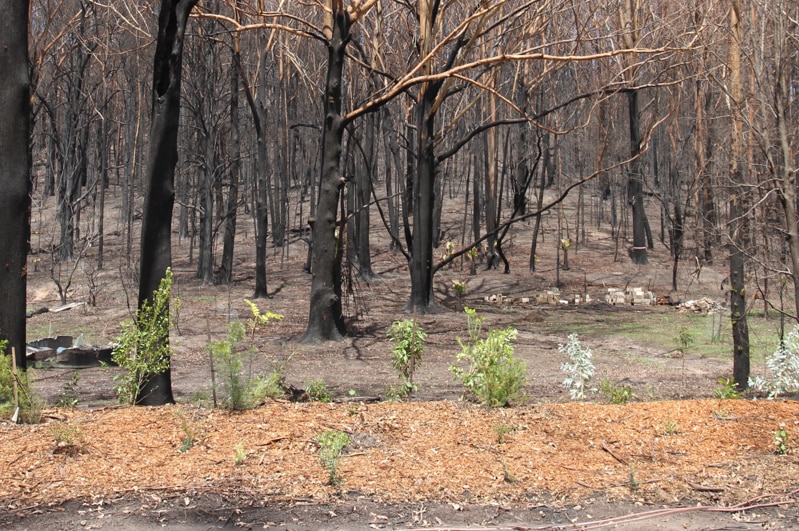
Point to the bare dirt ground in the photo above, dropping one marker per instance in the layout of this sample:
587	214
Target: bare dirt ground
434	462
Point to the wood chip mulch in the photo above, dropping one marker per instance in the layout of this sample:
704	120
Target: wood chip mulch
723	450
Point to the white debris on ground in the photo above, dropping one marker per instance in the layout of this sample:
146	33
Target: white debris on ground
703	305
633	296
551	296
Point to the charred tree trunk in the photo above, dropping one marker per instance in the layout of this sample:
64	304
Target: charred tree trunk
15	164
325	318
225	275
156	232
739	224
635	184
421	300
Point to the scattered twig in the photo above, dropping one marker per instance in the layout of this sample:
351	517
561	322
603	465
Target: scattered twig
706	488
612	454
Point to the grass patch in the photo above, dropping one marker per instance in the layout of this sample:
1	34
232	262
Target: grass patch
658	328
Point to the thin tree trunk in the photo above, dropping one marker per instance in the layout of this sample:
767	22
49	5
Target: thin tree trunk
739	226
226	267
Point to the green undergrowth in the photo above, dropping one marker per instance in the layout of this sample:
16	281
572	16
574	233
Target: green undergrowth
658	327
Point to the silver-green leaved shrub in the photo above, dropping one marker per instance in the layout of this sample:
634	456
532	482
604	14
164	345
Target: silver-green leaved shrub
783	368
494	376
579	369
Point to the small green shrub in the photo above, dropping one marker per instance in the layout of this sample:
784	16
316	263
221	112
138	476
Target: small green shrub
30	405
317	391
494	376
783	368
727	389
460	287
229	367
331	443
192	433
240	455
242	389
408	340
667	428
143	349
781	441
579	368
502	431
684	340
68	438
69	393
271	385
615	394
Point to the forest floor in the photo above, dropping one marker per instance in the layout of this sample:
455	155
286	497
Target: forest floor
674	457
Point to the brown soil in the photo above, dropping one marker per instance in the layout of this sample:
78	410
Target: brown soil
434	461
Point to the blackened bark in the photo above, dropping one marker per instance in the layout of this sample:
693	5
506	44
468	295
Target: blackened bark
15	205
325	318
421	299
156	232
363	191
226	267
635	185
740	244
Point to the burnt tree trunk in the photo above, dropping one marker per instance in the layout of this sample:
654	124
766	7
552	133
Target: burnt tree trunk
421	299
156	231
15	162
225	275
739	212
635	184
325	318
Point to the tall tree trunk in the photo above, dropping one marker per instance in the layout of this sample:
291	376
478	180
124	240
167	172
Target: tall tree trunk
635	184
261	183
205	262
739	225
325	317
15	172
363	189
421	299
156	231
226	267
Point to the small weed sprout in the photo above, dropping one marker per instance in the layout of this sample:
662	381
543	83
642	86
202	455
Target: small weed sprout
502	431
272	385
331	444
472	254
407	339
68	438
191	433
783	368
494	376
240	455
460	287
615	394
667	428
143	349
579	368
781	441
69	393
684	340
727	389
317	391
632	482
